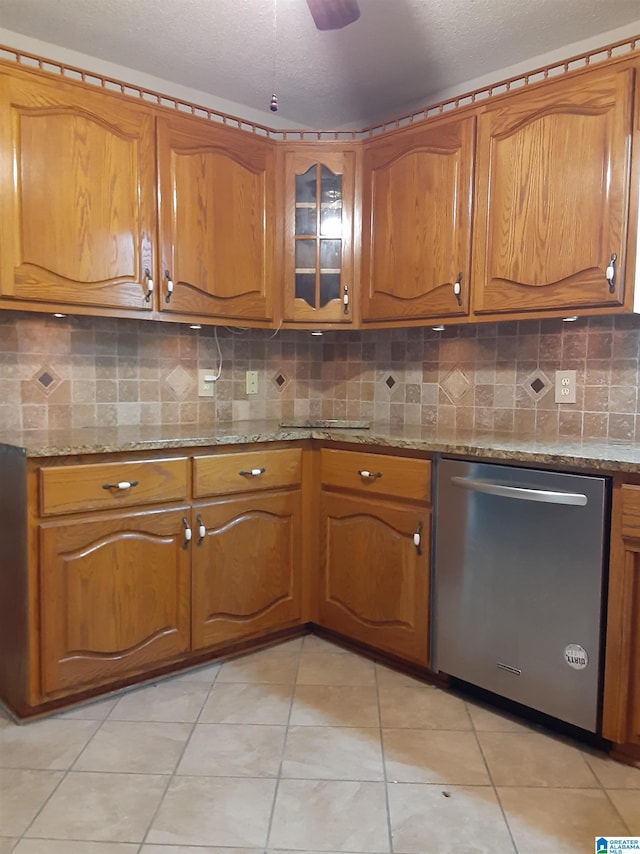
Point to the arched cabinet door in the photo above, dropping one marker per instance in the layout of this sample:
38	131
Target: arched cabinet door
216	191
416	242
246	567
319	238
374	580
115	597
552	196
77	195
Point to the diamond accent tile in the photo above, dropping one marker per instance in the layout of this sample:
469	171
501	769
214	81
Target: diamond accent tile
179	382
455	385
280	380
537	385
46	379
390	381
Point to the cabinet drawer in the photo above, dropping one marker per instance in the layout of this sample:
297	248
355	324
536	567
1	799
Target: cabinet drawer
376	474
225	474
68	489
630	510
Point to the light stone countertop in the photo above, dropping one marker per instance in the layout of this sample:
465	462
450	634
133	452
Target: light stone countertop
598	455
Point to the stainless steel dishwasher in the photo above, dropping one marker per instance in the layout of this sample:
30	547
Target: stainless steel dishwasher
519	559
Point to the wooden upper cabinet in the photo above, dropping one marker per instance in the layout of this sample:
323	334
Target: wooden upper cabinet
417	199
552	195
77	203
319	239
216	220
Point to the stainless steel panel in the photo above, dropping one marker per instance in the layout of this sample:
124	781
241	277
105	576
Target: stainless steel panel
518	584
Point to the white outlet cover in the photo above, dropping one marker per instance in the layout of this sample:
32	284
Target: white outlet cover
565	386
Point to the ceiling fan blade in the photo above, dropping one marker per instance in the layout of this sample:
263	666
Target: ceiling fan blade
333	14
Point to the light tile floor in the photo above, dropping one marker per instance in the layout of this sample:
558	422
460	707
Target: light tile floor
302	747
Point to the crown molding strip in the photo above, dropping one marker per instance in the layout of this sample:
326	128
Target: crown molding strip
579	62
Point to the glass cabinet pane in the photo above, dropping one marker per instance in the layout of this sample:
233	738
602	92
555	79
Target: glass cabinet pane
317	238
306	186
306	288
329	287
330	186
330	252
306	221
331	221
306	255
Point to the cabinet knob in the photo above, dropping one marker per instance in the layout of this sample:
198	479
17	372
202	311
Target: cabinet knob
610	273
251	472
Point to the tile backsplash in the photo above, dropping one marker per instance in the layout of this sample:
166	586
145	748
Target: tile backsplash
75	372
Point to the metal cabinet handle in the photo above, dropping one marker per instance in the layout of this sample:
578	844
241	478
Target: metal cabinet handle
503	490
610	272
457	289
201	530
123	484
417	538
251	472
149	282
187	533
369	474
345	298
169	291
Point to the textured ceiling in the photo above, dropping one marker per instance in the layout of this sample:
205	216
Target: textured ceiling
399	53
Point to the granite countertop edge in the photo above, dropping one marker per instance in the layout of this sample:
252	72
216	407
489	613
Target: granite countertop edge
596	454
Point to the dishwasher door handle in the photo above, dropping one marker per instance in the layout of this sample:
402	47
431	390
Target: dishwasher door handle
523	493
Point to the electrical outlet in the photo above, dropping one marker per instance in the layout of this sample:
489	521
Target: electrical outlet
565	386
206	381
252	382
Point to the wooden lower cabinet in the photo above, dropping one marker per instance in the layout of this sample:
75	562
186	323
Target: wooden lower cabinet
621	718
246	567
114	597
374	580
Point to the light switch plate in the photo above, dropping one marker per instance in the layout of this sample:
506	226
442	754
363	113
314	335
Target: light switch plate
565	386
252	382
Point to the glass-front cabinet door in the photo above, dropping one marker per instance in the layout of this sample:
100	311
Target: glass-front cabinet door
319	255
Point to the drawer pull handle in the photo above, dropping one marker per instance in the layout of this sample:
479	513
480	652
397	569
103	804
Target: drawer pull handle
187	533
610	273
149	283
369	474
201	530
123	484
169	291
251	472
457	289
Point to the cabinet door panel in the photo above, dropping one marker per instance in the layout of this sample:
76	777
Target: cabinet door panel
216	214
77	224
552	196
319	251
246	573
115	597
374	584
417	222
